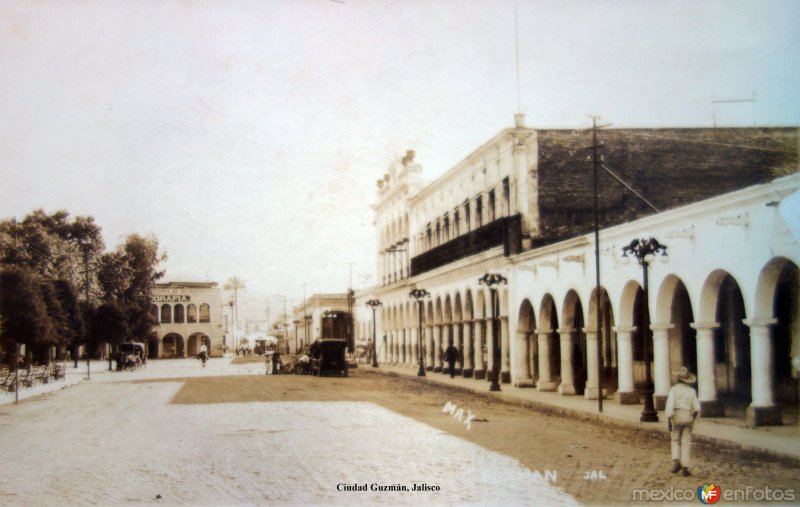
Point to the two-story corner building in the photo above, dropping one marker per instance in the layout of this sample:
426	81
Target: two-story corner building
188	314
320	316
725	303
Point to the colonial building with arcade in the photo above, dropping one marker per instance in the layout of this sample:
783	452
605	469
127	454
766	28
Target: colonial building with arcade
188	315
721	298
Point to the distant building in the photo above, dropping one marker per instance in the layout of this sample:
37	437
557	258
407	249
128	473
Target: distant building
320	316
188	314
725	303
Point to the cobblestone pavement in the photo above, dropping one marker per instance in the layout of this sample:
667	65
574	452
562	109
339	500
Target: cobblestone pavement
122	439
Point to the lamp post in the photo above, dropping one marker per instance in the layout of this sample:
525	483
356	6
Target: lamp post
374	303
491	280
308	319
645	250
420	295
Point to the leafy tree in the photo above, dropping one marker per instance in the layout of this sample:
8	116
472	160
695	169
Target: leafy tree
54	326
22	310
109	325
127	277
74	333
52	246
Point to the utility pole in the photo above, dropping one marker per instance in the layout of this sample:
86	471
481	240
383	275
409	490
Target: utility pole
598	299
87	273
350	341
285	322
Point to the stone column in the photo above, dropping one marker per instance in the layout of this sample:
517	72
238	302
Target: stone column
411	336
437	348
762	410
490	344
522	369
592	386
505	353
567	385
428	348
469	363
480	367
706	375
458	336
447	338
661	374
413	358
545	375
626	394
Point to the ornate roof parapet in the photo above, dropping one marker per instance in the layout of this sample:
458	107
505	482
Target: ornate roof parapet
405	170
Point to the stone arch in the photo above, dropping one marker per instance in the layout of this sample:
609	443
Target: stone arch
180	314
205	312
458	331
194	342
549	341
673	307
527	366
481	351
722	306
166	314
429	327
172	345
607	337
573	353
777	304
469	335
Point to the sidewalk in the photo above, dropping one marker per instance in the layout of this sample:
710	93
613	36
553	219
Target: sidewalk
779	441
159	368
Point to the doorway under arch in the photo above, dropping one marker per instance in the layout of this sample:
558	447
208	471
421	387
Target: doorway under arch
172	345
194	342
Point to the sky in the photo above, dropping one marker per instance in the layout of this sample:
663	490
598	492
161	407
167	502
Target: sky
248	136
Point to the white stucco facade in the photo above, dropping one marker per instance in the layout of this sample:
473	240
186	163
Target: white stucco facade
188	314
723	301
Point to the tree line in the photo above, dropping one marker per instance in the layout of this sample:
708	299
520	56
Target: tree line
60	289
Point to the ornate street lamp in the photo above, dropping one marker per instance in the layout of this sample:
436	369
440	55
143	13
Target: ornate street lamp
491	280
374	303
420	295
645	250
308	319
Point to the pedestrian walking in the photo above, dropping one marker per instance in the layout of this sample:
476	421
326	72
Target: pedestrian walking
276	362
268	355
682	409
203	355
451	356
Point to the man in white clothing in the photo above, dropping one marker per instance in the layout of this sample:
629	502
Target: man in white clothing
681	409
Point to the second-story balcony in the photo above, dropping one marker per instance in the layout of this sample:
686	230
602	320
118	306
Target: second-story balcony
506	231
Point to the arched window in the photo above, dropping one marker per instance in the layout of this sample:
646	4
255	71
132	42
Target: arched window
154	312
205	313
166	314
179	314
191	311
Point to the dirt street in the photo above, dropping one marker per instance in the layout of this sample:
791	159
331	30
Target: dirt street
230	435
595	464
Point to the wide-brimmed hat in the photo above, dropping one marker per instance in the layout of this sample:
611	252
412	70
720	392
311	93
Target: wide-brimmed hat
684	376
